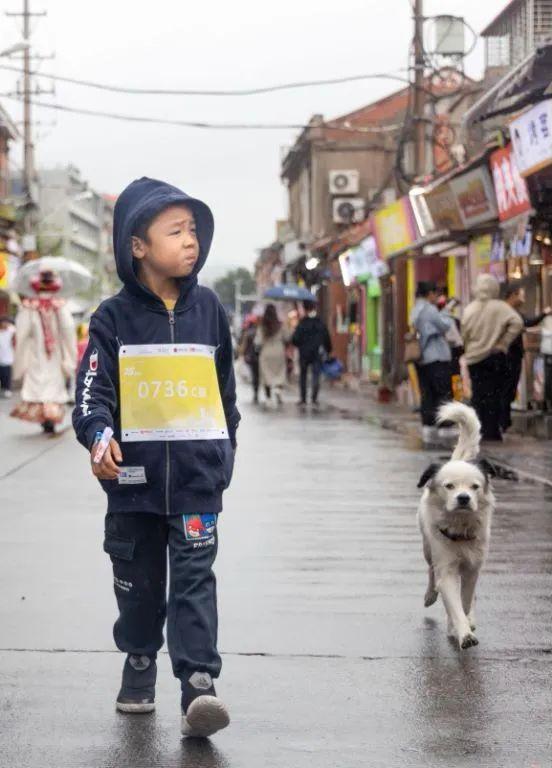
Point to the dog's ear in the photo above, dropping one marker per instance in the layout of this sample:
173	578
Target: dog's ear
487	468
429	474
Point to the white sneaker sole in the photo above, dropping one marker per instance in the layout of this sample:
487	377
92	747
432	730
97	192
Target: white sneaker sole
205	716
135	709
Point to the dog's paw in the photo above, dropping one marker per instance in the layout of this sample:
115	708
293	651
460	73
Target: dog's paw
468	641
430	597
473	624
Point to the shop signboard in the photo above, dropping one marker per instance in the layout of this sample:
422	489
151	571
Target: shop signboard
364	260
522	244
443	208
532	138
481	248
475	197
394	227
346	271
512	195
422	214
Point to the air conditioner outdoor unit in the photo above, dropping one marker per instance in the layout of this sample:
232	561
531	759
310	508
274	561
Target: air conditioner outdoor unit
344	182
348	210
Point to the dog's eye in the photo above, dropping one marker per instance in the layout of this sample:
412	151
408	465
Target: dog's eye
449	486
475	487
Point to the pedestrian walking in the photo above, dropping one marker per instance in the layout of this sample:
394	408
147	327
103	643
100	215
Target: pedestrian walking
271	341
489	326
434	365
514	296
7	338
249	353
45	353
158	371
312	339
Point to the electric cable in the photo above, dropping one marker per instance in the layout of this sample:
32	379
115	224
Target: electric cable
204	124
218	92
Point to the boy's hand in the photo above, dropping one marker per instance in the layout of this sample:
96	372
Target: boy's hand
107	469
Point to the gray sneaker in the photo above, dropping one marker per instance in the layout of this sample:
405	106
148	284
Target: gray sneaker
137	694
203	713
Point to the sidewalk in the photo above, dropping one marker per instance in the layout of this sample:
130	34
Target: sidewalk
528	456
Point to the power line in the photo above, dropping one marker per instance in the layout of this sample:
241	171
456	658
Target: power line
206	125
198	92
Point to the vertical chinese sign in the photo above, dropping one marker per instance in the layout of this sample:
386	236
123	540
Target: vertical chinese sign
511	190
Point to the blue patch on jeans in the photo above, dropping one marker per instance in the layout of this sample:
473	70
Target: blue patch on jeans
199	527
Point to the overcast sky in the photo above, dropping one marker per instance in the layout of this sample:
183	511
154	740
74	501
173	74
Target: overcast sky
175	44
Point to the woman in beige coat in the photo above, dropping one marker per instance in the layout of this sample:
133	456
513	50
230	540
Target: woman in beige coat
271	340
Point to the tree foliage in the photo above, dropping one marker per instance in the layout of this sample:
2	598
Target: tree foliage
225	286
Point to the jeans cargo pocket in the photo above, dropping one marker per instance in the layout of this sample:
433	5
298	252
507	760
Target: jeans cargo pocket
122	549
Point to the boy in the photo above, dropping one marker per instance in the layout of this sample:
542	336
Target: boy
158	371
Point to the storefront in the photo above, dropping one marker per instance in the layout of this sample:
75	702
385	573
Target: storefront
522	174
361	270
395	232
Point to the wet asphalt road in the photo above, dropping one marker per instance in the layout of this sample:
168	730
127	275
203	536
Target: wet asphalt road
330	658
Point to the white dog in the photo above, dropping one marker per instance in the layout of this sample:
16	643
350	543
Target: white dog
455	520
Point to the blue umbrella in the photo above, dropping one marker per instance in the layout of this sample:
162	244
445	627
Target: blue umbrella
289	292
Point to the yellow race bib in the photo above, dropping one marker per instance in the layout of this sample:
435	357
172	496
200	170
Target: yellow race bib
170	392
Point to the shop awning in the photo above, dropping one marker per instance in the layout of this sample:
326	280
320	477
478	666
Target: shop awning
434	237
353	235
526	84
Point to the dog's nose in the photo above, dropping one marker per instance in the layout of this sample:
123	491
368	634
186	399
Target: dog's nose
463	499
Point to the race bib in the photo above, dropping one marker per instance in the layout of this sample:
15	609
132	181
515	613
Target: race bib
170	392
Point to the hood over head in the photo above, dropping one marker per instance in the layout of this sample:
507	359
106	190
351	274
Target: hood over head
486	287
141	202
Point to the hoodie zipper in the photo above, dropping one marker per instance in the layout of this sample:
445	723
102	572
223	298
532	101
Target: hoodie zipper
167	444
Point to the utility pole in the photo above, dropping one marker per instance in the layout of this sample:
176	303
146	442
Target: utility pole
28	146
419	89
28	149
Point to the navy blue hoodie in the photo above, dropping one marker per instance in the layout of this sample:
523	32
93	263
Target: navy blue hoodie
181	477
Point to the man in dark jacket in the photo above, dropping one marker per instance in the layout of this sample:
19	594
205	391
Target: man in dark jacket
312	339
514	295
158	371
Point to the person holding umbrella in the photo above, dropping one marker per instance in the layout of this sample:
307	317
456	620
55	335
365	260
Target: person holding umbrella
45	352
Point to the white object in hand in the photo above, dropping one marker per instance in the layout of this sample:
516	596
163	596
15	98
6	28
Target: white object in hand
103	442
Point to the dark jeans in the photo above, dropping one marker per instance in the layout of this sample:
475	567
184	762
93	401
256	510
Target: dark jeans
513	373
137	544
316	368
5	377
435	388
489	380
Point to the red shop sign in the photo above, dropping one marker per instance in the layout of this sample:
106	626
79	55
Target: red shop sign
511	190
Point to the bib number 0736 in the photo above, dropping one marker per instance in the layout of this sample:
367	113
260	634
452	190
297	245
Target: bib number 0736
168	389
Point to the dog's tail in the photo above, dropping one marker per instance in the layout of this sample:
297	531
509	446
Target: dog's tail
467	447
